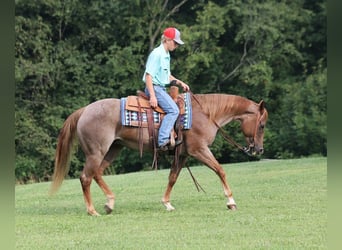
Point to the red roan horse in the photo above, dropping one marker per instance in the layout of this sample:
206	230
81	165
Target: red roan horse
101	135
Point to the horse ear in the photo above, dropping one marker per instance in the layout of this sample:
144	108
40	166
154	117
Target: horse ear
261	105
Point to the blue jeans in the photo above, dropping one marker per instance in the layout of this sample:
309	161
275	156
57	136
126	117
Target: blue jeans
171	109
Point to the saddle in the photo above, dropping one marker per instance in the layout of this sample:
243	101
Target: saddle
141	103
151	118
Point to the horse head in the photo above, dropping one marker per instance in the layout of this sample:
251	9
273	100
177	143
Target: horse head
252	126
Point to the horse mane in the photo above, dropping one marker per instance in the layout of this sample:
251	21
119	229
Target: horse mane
215	104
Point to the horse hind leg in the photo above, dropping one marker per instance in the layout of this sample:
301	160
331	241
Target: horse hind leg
108	159
94	168
106	190
86	178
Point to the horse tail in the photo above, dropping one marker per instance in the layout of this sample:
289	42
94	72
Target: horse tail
64	149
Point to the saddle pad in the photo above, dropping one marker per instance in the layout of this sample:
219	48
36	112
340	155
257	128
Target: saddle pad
131	117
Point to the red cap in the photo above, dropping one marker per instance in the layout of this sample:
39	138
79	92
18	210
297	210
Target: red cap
173	34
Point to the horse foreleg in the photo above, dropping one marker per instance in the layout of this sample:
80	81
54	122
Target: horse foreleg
227	191
174	173
208	158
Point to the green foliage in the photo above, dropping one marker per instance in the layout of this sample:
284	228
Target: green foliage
310	115
202	58
71	53
304	113
36	140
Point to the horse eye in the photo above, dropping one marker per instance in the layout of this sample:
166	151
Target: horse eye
262	126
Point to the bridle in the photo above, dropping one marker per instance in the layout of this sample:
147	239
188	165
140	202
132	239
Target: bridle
252	139
246	149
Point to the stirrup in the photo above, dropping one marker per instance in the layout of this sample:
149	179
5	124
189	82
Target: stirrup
167	146
178	142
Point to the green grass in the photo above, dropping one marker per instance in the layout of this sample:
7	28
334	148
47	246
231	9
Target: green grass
282	204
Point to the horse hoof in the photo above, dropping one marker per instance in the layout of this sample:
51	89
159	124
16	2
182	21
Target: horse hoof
232	207
108	209
168	206
170	209
93	213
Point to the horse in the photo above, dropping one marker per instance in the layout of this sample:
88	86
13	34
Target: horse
102	135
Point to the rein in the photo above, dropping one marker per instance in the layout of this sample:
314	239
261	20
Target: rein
224	134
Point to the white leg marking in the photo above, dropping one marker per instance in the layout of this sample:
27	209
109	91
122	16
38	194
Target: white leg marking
231	201
168	206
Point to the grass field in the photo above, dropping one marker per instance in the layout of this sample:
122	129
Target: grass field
282	204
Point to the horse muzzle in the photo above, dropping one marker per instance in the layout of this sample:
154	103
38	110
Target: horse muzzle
251	150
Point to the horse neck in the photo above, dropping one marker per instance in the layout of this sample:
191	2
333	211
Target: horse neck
223	108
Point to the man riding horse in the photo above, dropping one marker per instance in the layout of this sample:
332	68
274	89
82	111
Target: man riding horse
156	77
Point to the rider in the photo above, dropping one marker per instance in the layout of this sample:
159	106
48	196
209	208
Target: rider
156	77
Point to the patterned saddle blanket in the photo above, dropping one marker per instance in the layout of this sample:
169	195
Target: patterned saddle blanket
131	106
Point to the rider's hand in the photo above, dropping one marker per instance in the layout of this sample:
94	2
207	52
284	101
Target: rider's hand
183	85
153	102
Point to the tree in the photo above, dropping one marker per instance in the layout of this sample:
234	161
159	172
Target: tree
71	53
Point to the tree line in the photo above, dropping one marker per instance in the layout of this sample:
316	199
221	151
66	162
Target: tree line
71	53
